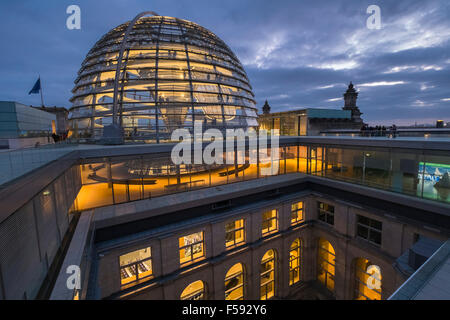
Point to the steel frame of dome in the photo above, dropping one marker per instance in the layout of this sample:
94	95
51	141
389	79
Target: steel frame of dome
156	74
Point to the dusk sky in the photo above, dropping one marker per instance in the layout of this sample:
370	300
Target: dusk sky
297	54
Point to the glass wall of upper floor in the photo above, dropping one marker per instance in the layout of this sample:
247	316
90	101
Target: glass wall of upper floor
418	173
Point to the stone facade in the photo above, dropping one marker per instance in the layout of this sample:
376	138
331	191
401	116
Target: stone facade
170	279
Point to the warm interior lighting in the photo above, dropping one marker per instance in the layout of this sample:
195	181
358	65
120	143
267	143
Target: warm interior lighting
362	291
269	222
191	247
234	283
294	262
326	264
234	233
170	81
194	291
267	275
135	265
296	212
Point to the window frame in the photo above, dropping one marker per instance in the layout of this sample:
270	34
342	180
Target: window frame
370	229
234	231
325	212
241	285
269	231
296	211
191	245
320	268
358	281
201	291
298	250
136	268
268	282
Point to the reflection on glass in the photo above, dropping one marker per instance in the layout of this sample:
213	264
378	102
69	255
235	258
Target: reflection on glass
111	181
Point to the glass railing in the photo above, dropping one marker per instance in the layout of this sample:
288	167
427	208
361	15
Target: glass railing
418	173
16	163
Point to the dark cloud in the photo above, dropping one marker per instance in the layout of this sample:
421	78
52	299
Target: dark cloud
296	53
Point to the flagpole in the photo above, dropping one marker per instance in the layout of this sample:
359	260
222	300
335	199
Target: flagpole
42	97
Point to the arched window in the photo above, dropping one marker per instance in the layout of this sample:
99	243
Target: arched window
194	291
326	264
368	280
294	262
234	283
268	275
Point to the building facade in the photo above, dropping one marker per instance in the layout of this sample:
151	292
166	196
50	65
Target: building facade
308	232
24	126
331	217
283	258
313	121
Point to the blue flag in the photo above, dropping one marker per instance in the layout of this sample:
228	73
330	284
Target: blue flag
36	87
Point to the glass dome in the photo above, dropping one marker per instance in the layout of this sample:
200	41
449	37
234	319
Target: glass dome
173	72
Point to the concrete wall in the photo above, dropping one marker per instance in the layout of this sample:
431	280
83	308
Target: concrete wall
31	237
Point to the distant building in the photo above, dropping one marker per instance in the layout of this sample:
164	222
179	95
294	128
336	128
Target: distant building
266	108
24	126
62	122
311	121
350	97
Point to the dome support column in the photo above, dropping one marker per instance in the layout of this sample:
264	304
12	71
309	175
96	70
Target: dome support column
116	123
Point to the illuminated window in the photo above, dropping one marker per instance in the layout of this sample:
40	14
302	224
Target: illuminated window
326	264
269	222
135	265
234	283
191	247
326	213
367	275
294	262
369	229
296	212
234	233
268	275
194	291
